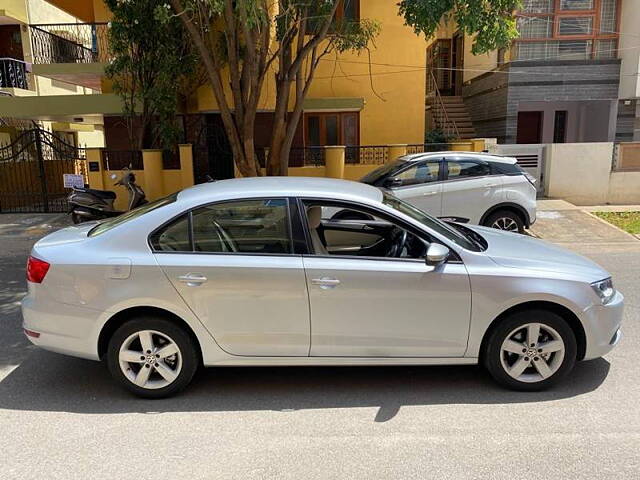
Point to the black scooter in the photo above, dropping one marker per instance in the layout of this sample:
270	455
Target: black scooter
86	204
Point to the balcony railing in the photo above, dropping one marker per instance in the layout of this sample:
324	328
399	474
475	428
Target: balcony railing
13	74
69	43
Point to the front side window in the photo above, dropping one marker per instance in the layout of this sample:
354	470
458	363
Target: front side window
423	172
244	226
466	169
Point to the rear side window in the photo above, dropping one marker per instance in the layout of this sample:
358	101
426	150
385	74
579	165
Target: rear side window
174	237
246	226
506	168
467	169
243	226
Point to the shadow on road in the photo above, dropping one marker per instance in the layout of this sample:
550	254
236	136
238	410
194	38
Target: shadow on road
50	382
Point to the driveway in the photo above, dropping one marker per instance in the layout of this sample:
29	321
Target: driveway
64	418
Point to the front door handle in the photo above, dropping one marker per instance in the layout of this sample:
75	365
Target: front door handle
325	282
193	279
427	194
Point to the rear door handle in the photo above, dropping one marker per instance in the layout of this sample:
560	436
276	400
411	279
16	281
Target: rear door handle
491	185
427	194
193	279
325	282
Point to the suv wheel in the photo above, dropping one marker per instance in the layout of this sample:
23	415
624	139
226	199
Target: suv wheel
505	220
152	357
531	350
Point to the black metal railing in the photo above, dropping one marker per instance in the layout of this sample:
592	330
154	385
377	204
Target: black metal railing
366	154
427	147
298	156
119	159
13	74
69	42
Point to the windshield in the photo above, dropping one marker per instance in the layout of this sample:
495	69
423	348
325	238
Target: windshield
373	177
458	237
107	225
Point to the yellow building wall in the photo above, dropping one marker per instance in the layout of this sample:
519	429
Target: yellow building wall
393	96
14	9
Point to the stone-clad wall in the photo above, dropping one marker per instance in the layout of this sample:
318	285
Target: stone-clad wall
493	98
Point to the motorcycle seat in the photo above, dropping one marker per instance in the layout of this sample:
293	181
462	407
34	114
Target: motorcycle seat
107	195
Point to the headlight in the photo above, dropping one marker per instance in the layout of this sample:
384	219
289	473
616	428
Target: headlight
604	289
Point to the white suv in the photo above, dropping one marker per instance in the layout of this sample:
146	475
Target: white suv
466	187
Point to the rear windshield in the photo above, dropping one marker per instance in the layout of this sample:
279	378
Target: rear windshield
376	176
107	225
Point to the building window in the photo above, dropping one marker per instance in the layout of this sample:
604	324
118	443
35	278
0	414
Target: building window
348	11
560	127
331	128
567	30
576	4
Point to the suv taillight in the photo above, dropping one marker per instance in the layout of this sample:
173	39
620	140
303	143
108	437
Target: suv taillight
36	270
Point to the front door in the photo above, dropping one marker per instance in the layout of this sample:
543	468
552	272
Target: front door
529	127
379	299
469	190
237	272
421	186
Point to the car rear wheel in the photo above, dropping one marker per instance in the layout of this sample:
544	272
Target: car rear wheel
152	357
531	350
505	220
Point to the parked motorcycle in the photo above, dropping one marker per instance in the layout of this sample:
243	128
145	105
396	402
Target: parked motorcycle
88	204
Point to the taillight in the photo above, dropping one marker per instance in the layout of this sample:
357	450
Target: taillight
36	270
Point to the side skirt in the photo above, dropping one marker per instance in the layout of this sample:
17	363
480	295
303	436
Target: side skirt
338	361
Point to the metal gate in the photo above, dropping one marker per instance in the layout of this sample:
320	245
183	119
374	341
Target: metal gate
32	169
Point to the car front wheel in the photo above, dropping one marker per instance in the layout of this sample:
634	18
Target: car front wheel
531	350
152	357
505	220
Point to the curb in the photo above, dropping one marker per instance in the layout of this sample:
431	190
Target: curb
630	235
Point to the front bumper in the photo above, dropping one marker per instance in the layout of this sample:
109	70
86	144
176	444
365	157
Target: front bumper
602	327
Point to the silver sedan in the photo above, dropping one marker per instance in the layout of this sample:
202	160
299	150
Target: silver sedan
303	271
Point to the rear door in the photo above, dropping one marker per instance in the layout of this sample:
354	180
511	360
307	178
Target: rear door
234	265
421	185
469	189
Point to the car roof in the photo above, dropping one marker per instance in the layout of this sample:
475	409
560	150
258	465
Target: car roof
487	157
281	187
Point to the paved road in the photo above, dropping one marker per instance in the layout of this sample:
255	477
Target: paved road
63	418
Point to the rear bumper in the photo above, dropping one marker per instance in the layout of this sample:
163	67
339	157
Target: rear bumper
603	327
62	328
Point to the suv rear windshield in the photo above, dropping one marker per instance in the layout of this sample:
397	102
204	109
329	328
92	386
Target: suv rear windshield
107	225
376	176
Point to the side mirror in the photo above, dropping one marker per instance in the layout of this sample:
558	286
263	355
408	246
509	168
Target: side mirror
437	254
392	182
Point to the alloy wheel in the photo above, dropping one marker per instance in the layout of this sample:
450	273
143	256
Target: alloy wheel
532	352
505	223
150	359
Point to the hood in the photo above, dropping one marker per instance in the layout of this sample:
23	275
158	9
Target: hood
521	251
76	233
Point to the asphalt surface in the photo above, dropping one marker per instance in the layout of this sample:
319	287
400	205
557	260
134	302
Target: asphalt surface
64	418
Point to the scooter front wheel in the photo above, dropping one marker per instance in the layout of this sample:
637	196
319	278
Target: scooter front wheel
76	218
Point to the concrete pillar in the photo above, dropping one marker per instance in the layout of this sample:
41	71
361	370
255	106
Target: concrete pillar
334	161
395	151
477	144
94	168
186	164
152	165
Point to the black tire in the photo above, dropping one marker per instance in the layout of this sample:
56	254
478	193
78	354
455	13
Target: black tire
505	217
186	345
492	351
76	218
